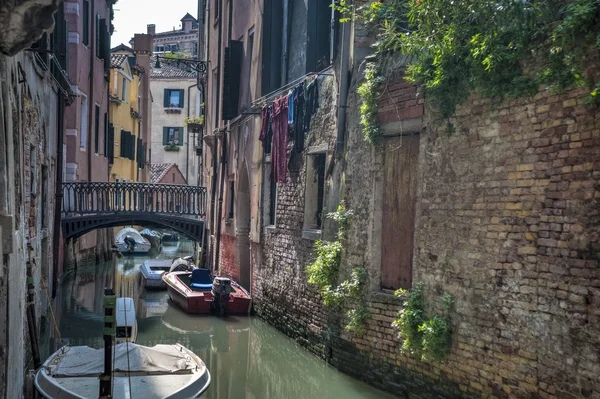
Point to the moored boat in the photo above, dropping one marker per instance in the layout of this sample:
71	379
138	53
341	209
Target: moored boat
126	321
198	292
130	241
152	271
162	371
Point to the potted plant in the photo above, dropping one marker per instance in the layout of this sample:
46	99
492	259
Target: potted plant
173	146
194	123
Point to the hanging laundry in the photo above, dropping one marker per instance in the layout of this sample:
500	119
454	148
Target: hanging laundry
280	140
291	107
266	130
311	98
299	131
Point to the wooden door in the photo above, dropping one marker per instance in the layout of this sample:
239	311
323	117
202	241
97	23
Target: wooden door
399	202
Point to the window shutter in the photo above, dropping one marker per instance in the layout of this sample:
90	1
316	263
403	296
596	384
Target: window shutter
132	148
86	22
165	136
231	79
181	94
167	98
123	142
180	136
110	146
98	51
106	134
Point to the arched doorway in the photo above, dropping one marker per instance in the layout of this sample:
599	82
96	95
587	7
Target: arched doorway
242	226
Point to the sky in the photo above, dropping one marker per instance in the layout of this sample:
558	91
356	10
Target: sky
132	16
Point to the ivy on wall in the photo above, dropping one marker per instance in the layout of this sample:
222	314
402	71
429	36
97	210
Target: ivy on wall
324	273
424	336
499	50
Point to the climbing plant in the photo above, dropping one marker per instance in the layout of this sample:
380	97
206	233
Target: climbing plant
427	337
497	49
324	273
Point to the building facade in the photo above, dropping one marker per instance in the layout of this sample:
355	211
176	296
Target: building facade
183	40
497	215
86	120
33	93
127	157
176	97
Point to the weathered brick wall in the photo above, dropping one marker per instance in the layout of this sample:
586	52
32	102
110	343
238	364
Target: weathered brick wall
280	290
507	223
227	259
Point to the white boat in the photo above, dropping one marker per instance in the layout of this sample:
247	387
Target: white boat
131	241
152	271
162	371
126	321
185	264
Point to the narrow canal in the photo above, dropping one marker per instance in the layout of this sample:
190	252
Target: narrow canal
246	357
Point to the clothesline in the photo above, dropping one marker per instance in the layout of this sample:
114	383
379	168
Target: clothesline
260	102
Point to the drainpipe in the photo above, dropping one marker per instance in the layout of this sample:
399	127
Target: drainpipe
91	107
187	147
344	79
223	158
58	195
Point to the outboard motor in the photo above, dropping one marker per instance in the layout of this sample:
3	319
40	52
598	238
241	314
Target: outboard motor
221	291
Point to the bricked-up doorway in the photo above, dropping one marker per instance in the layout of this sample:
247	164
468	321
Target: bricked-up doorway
399	202
242	227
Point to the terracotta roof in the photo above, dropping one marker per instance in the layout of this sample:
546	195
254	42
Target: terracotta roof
158	171
121	47
168	70
117	60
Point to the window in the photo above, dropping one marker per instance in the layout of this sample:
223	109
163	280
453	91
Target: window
106	141
230	199
318	52
127	145
247	94
215	100
86	22
174	98
97	130
315	192
98	35
124	90
172	135
84	122
272	45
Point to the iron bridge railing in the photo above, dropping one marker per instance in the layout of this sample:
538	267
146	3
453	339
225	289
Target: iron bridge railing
115	197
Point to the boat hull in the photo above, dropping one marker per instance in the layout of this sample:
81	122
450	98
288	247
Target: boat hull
200	302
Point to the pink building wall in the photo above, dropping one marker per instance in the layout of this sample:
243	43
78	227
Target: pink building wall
86	72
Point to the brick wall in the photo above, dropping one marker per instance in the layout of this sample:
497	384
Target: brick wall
507	222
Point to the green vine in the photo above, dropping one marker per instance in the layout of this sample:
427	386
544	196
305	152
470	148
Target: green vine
499	50
324	273
429	338
369	92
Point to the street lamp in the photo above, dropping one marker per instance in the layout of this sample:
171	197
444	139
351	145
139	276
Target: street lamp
196	65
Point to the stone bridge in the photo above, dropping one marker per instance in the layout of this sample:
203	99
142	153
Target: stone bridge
93	205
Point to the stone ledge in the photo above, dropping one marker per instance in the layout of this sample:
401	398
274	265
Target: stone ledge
384	297
270	229
311	234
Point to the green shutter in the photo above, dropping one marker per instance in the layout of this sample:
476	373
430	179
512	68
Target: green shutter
167	98
122	144
165	136
110	146
180	136
97	37
132	149
181	94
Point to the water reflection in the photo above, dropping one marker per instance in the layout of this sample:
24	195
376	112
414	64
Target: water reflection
246	357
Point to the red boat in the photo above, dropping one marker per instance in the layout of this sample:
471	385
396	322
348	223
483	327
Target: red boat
198	292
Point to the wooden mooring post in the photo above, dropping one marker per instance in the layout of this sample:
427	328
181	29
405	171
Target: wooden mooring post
110	303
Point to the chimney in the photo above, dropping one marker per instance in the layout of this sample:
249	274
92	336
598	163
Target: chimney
151	29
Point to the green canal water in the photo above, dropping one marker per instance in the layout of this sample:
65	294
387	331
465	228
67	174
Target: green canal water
247	358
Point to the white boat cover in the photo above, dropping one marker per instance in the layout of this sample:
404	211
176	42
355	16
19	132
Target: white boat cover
84	361
133	233
148	232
